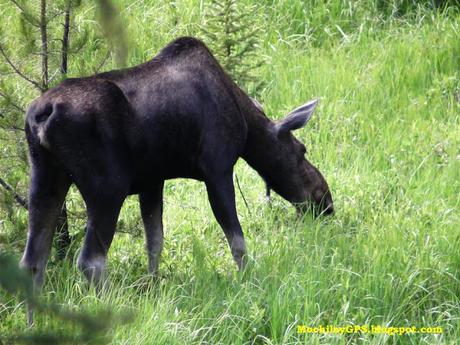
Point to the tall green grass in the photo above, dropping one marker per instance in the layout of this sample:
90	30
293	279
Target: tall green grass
387	138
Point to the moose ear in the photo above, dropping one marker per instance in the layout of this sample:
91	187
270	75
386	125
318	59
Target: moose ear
297	118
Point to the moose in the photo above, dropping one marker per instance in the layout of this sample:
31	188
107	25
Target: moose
126	131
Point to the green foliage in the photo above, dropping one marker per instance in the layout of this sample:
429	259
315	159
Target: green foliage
403	7
82	328
231	32
446	89
12	279
113	30
26	30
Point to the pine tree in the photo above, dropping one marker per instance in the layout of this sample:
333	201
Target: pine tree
232	34
42	42
34	56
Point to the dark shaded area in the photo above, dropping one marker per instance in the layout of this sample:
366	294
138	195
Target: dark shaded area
76	327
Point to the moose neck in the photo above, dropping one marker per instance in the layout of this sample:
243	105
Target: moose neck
261	145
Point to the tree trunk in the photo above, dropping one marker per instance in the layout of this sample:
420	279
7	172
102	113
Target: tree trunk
44	46
63	239
65	39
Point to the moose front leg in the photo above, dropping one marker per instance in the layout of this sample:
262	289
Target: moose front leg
151	203
221	195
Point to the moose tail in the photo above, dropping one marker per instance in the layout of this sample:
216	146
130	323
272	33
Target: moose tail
37	119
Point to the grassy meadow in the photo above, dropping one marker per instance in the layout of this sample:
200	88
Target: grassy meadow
386	135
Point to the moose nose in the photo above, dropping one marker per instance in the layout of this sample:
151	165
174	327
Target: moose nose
329	210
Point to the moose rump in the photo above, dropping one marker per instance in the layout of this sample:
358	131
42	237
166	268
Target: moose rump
74	134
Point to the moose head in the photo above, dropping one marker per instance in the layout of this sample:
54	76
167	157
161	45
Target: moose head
289	173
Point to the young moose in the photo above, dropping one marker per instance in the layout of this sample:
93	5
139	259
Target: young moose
127	131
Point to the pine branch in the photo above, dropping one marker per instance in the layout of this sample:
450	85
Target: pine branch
52	16
26	14
19	199
13	128
102	63
18	72
10	102
54	76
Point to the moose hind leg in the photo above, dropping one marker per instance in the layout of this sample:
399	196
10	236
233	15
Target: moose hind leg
151	204
103	206
221	194
47	191
48	188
